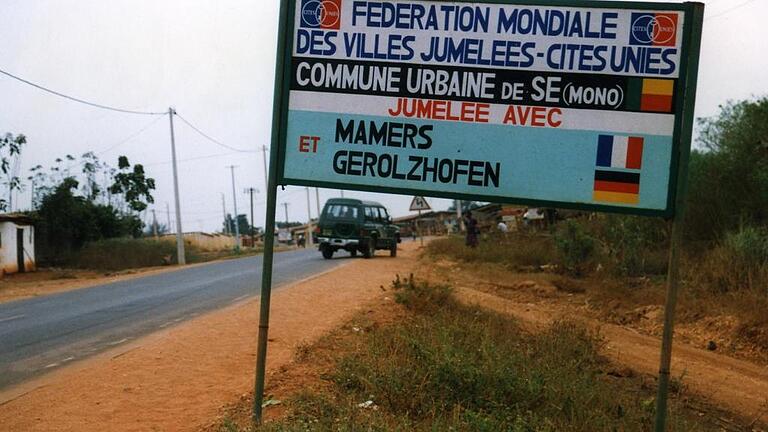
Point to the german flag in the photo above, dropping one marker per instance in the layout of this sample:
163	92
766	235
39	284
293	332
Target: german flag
617	187
650	94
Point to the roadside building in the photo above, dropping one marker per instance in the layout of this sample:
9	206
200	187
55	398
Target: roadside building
205	241
17	243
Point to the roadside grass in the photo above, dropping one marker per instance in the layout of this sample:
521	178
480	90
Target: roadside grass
515	251
129	253
717	281
446	366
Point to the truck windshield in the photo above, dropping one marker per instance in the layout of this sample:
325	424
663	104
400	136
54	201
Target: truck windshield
340	211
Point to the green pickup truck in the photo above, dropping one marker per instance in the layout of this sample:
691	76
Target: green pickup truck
355	226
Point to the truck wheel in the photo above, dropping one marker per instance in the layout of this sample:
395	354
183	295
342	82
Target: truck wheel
393	249
353	252
327	252
370	248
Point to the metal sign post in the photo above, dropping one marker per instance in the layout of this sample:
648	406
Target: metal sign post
594	117
418	203
269	223
693	36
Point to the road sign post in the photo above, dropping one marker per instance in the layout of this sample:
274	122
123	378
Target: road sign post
418	203
269	223
504	102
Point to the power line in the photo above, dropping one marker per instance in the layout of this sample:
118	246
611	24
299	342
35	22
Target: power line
204	135
191	159
140	131
727	11
106	107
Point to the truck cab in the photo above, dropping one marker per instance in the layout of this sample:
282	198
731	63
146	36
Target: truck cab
355	226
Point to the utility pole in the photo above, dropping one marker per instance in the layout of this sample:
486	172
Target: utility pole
459	220
286	214
266	173
182	259
154	223
224	214
168	215
317	198
250	191
308	235
234	202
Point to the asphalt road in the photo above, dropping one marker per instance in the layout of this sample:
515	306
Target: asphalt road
40	334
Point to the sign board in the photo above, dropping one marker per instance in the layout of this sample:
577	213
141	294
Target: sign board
419	203
577	104
284	235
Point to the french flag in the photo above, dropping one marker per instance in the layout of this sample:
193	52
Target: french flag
617	151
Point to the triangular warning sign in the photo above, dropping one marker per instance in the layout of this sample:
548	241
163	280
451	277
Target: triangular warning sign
419	203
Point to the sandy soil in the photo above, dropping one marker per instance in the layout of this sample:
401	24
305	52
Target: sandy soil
735	385
180	379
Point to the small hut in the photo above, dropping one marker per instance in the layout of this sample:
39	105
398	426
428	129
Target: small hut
17	243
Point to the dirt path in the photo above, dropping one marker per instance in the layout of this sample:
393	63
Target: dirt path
735	385
180	379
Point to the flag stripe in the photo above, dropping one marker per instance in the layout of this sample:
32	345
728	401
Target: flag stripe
616	197
619	153
656	103
604	150
617	176
635	153
658	86
607	186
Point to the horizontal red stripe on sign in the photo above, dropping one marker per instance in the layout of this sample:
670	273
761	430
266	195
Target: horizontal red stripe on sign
656	103
608	186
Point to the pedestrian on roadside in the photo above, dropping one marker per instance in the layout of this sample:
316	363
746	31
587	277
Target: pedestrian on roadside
470	223
503	228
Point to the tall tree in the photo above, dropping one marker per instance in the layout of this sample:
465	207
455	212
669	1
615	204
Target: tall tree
133	184
10	149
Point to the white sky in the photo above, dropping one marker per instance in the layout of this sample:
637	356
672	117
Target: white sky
214	62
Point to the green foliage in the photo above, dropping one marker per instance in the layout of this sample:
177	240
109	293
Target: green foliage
463	368
243	225
635	245
748	245
515	250
420	295
10	148
66	221
134	185
575	247
124	253
728	181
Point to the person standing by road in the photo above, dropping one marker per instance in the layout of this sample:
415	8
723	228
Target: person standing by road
470	223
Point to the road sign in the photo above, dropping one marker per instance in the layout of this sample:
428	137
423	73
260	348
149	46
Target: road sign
567	103
419	203
556	104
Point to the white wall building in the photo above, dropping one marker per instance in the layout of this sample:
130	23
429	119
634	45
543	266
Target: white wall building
17	244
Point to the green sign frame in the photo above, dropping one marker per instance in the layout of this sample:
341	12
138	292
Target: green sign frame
683	113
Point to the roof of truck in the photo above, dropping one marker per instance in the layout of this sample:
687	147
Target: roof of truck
352	201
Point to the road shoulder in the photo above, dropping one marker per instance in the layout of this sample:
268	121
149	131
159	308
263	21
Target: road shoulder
179	379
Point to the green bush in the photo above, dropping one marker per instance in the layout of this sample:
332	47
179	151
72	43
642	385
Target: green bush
463	368
514	250
575	247
748	246
123	253
420	296
634	245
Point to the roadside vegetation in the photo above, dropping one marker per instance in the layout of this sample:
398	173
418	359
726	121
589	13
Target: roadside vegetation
445	366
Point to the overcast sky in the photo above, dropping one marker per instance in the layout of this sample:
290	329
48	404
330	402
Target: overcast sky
214	62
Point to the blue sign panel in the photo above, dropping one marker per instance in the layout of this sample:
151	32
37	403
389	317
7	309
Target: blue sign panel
576	105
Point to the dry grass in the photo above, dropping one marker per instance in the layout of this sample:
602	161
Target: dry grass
444	366
717	282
